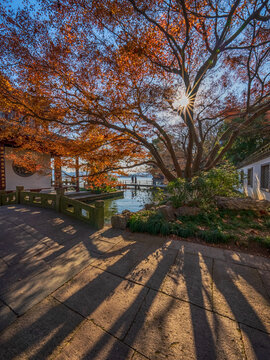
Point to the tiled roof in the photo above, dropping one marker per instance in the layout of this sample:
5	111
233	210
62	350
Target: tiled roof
258	155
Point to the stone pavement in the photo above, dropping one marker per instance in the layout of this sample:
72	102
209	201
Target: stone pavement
68	292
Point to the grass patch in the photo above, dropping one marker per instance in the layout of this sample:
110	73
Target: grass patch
214	236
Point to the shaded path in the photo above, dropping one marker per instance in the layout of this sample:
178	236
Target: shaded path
67	292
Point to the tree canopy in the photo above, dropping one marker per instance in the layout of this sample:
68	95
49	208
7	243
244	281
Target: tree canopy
141	70
249	141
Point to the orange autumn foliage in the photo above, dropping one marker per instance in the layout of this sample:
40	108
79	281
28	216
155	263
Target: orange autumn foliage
116	69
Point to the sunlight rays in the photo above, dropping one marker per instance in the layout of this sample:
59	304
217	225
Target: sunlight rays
184	104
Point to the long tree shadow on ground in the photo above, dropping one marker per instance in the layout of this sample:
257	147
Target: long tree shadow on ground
44	326
124	295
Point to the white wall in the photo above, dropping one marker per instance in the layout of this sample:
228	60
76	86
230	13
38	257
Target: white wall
35	181
256	192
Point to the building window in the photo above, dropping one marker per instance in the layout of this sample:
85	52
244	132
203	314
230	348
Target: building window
22	171
250	177
242	176
265	183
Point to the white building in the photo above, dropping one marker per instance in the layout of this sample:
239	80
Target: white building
255	174
12	175
31	180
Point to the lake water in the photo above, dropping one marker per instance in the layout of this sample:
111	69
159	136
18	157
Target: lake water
133	200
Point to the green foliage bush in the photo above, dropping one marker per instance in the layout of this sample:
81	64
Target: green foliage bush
214	236
150	222
215	227
159	196
201	190
153	223
183	231
267	224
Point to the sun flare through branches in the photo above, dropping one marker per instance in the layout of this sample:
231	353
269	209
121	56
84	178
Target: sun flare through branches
184	101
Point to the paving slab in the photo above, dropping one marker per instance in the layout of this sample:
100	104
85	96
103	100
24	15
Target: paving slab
36	251
256	343
59	248
138	356
18	271
72	261
28	254
6	316
13	240
123	257
29	291
31	215
239	293
39	333
111	235
258	262
190	279
146	238
90	342
3	267
4	217
108	300
97	245
205	251
173	244
152	270
60	234
167	328
112	294
265	276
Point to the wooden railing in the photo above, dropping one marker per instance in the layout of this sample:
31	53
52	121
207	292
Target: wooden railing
92	214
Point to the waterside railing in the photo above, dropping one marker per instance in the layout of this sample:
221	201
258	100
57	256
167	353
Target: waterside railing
93	214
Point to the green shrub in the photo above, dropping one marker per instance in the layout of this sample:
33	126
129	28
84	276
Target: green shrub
150	222
165	229
214	236
209	226
159	196
267	224
203	218
183	231
186	232
180	192
137	222
201	190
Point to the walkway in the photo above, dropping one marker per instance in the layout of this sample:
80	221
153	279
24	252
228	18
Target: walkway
67	292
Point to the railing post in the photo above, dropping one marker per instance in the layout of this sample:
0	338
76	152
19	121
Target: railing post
19	189
99	214
59	193
2	192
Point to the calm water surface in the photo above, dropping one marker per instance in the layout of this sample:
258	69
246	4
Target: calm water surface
133	200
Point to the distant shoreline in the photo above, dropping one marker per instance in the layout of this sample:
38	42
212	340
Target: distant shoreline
138	175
